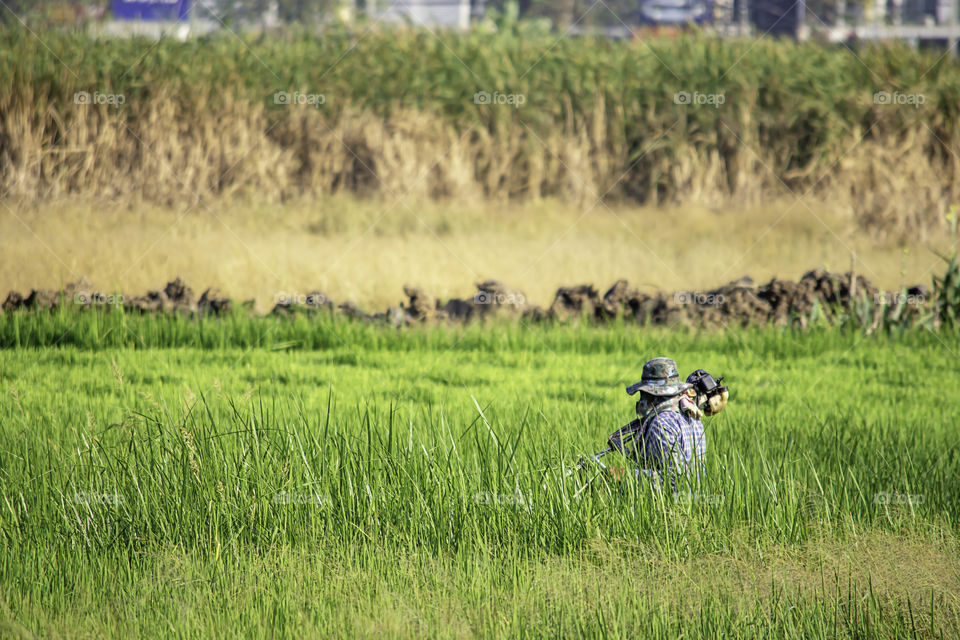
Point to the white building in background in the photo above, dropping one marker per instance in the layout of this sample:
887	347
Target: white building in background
453	14
155	19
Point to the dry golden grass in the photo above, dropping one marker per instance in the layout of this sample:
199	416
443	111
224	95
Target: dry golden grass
890	183
200	120
366	250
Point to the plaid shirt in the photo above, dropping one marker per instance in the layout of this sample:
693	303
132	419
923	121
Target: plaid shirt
671	444
667	443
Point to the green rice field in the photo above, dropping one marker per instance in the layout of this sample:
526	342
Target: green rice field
262	477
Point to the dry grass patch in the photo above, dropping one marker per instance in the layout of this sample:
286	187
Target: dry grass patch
365	250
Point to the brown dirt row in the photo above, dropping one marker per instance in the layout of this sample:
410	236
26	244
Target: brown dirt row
737	303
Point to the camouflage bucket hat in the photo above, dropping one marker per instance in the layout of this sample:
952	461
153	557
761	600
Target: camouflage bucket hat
660	378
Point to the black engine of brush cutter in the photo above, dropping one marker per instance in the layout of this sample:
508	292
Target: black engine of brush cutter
711	395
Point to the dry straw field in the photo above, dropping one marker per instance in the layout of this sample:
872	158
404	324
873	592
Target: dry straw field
366	250
684	120
675	163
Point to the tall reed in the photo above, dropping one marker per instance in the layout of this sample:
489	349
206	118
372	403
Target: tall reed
401	111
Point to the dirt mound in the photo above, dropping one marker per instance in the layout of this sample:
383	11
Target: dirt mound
737	303
212	302
492	298
422	306
575	301
292	304
175	297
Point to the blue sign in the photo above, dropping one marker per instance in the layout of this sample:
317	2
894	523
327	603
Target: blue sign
160	10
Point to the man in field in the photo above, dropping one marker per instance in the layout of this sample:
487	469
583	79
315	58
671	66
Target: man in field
667	438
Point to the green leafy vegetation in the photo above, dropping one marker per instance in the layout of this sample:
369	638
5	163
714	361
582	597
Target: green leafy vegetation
354	479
